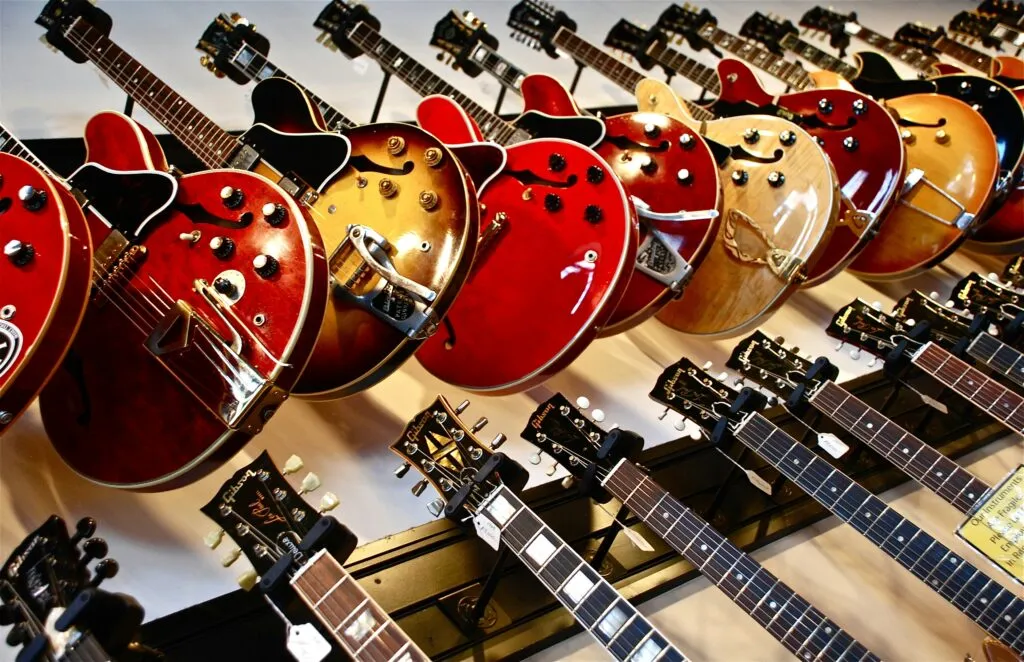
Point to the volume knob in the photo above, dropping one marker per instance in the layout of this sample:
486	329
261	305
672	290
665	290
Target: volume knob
556	162
595	175
32	198
651	130
274	213
232	197
265	265
18	253
222	248
592	214
751	136
552	202
648	165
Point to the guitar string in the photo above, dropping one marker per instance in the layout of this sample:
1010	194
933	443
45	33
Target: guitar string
934	359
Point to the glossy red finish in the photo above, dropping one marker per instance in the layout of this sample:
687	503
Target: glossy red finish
871	175
546	281
630	139
42	301
122	416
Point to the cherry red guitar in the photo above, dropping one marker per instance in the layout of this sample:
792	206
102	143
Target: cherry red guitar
44	275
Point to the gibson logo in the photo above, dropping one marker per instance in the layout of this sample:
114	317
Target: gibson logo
537	422
415	432
228	496
263	512
15	565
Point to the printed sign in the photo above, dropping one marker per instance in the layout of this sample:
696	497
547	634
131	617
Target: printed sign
996	527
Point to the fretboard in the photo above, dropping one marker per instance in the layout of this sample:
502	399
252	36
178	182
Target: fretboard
690	69
999	356
359	625
211	144
985	601
788	72
917	59
917	459
999	402
257	67
819	58
398	63
507	73
11	145
793	621
598	607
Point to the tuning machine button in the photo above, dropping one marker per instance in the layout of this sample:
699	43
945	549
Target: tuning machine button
402	470
19	635
740	177
825	107
552	202
498	440
231	197
593	214
463	406
419	488
265	265
480	424
787	137
84	528
94	548
436	507
222	248
20	254
751	136
556	162
850	143
274	213
104	570
595	174
32	198
651	130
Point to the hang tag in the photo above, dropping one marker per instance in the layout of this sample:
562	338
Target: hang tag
933	403
306	644
832	444
638	540
360	65
758	482
851	28
488	531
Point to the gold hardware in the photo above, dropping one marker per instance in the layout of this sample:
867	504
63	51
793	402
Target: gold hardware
428	200
361	181
652	99
528	194
387	188
396	145
626	157
941	137
781	262
432	156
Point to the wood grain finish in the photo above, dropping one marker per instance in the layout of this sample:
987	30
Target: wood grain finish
728	295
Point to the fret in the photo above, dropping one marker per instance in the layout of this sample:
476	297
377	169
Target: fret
913	57
965	54
929	560
911	455
697	72
794	622
593	601
760	57
359	625
999	356
1001	403
11	145
792	42
507	73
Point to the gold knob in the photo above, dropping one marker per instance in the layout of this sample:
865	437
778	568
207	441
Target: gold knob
428	200
908	136
205	61
396	145
432	156
528	194
361	181
652	99
387	188
941	137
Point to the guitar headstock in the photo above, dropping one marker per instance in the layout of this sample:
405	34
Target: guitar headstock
1014	272
685	20
264	515
59	15
337	20
837	26
1006	11
222	44
694	393
767	362
919	36
453	460
768	30
947	326
459	36
634	41
536	23
866	327
975	27
979	295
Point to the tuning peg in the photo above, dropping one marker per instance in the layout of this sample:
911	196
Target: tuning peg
294	464
83	529
19	635
94	548
230	557
213	538
462	407
552	469
873	361
534	458
993	277
479	425
10	614
597	415
104	570
680	424
568	482
877	305
328	502
436	507
663	414
583	402
855	353
402	469
707	366
796	350
440	57
418	488
498	440
310	483
840	346
248	579
771	399
934	295
722	376
739	381
780	340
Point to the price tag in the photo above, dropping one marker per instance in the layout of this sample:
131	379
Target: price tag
832	444
996	527
488	531
758	482
852	28
306	644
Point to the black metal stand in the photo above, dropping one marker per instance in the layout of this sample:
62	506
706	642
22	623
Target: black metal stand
129	106
487	591
501	99
576	77
609	538
669	75
380	97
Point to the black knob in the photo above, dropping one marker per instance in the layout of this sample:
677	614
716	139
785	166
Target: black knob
992	91
556	162
222	248
104	570
94	548
648	165
32	198
652	130
552	202
687	142
83	529
740	177
232	197
825	106
965	88
265	265
225	287
776	179
787	137
860	107
274	213
751	136
595	174
9	614
18	253
850	144
592	214
19	635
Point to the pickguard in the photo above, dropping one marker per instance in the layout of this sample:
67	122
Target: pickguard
878	79
315	158
809	121
587	131
999	107
126	200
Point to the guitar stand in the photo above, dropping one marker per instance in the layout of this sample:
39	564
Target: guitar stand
576	77
501	99
478	610
607	539
129	106
380	96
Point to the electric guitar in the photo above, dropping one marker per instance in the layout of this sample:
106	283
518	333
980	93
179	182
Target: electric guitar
1007	12
603	464
936	210
559	228
996	103
297	550
666	167
851	128
478	485
726	415
52	600
393	272
45	272
971	28
781	194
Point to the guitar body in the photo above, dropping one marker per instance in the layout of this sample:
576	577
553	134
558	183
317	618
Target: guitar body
861	140
365	334
45	290
742	280
167	379
677	179
545	280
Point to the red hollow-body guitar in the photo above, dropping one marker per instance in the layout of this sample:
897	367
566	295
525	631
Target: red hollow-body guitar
44	276
202	317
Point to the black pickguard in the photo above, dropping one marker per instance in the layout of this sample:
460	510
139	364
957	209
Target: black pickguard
315	158
481	161
812	121
997	104
878	79
125	200
583	130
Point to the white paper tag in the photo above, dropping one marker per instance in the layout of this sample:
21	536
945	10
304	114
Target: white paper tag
488	531
832	444
758	482
638	540
933	403
306	644
852	28
360	65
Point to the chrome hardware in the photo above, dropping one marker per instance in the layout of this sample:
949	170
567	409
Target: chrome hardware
419	488
776	179
387	187
6	417
962	221
7	312
740	177
436	507
825	107
590	257
191	237
850	144
463	406
20	254
32	198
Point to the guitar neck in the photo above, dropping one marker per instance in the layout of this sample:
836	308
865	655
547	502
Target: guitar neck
793	621
211	144
400	64
507	73
701	74
999	402
611	68
915	458
965	54
999	356
819	58
609	617
985	601
359	625
917	59
1008	34
257	67
11	145
788	72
